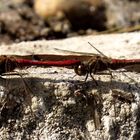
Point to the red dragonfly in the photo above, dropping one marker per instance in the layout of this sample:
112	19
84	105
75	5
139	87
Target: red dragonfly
83	64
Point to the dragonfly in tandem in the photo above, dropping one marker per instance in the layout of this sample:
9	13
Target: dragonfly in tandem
82	63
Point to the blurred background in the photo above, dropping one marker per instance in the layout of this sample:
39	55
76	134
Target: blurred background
27	20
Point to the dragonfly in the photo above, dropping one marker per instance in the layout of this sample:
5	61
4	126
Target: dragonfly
82	63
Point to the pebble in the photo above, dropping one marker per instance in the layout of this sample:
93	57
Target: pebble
74	10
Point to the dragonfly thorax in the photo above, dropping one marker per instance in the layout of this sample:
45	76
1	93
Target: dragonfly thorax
94	66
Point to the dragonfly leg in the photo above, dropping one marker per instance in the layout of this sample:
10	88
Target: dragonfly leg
93	79
86	77
104	73
110	73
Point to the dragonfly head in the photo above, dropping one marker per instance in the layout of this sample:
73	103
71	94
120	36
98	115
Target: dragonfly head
81	69
6	64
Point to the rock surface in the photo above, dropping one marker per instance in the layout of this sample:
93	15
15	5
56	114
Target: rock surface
53	103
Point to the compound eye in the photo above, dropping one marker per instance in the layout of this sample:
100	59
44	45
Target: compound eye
80	69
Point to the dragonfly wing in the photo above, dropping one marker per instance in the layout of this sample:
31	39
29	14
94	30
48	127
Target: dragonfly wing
53	57
72	52
133	68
